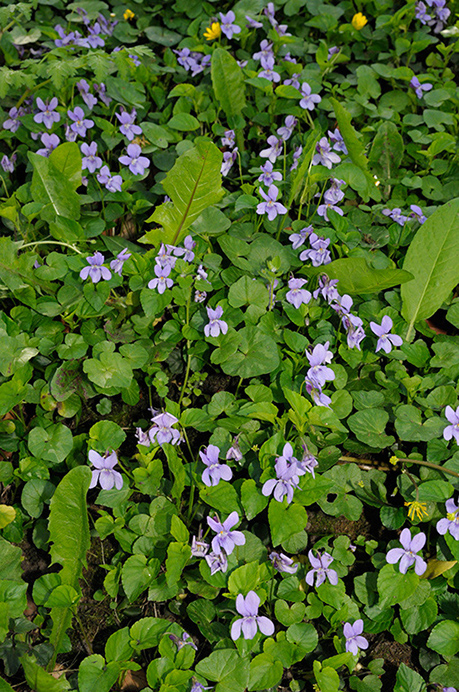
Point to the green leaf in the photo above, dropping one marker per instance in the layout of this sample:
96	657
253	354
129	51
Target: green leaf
285	520
433	259
41	681
108	434
69	536
444	638
137	574
228	82
185	122
165	37
177	470
289	615
52	444
409	425
193	184
303	634
146	633
408	680
227	668
387	150
53	189
178	555
256	354
420	618
4	687
369	426
109	370
252	499
34	494
243	579
67	159
354	146
356	277
393	586
95	674
305	166
327	678
265	672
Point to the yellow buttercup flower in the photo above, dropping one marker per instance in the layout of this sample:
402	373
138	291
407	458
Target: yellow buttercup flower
393	460
129	14
213	31
359	20
416	508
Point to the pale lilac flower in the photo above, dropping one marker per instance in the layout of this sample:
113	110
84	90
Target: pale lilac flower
283	563
268	176
127	127
229	140
325	155
89	99
297	294
268	72
334	50
309	100
226	539
215	470
162	280
199	296
385	340
418	87
162	431
281	29
354	328
142	437
96	270
287	477
297	239
322	210
407	554
318	372
285	132
321	570
70	136
165	258
8	164
90	159
266	48
80	124
218	562
199	548
201	273
269	12
47	114
296	156
327	289
216	325
354	640
184	641
250	621
337	140
293	81
116	265
137	163
106	26
104	473
186	252
234	451
318	253
101	90
451	521
94	40
50	142
12	122
111	182
227	26
184	58
421	13
417	213
253	23
316	393
274	150
270	206
288	58
229	157
453	429
307	464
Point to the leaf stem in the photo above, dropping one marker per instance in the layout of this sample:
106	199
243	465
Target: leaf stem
429	464
51	242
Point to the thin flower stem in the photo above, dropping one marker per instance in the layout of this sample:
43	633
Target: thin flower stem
429	464
51	242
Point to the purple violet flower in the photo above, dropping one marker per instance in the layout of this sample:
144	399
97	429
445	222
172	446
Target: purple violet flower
285	132
116	265
162	431
325	155
50	142
234	451
104	473
354	640
199	548
385	340
318	372
80	124
318	253
47	114
334	50
266	48
186	252
250	621
184	641
452	430
297	294
268	176
274	150
226	539
421	13
287	476
451	522
283	563
321	569
112	182
419	88
318	397
96	270
307	464
90	160
218	562
229	140
417	213
407	554
229	157
253	23
216	325
8	164
337	140
297	239
268	72
89	99
227	26
293	81
101	90
12	122
288	58
137	163
162	280
270	206
309	100
296	156
127	124
215	470
327	289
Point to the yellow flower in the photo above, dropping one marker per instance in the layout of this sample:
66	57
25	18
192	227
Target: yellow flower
358	21
393	460
213	31
129	14
416	508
